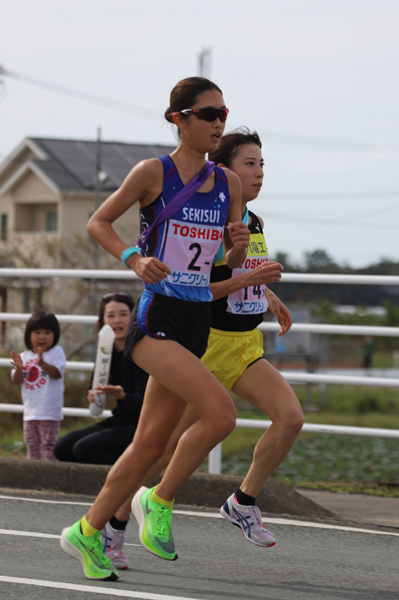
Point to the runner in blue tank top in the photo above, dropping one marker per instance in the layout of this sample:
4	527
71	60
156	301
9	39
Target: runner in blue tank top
235	346
187	243
169	331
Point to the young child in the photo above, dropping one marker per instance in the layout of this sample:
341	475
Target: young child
39	370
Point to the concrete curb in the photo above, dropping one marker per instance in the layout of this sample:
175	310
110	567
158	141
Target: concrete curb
201	489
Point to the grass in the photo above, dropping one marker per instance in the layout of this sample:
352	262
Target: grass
334	462
329	461
319	461
12	443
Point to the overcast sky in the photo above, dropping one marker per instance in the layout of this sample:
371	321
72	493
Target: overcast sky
318	79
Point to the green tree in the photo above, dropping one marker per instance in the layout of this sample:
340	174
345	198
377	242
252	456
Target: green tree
319	261
284	259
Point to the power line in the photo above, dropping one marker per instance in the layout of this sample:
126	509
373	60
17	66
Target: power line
327	144
271	197
85	96
269	136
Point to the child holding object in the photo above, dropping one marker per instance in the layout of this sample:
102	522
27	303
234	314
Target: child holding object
169	328
39	370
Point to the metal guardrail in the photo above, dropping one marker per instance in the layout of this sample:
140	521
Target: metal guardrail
128	274
249	423
292	377
265	326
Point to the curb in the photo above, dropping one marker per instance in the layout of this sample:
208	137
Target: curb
201	489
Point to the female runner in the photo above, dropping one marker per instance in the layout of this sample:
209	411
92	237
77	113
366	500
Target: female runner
169	329
235	345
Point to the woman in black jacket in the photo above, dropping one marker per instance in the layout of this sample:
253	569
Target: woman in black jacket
103	442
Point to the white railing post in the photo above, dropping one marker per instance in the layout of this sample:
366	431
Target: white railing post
215	460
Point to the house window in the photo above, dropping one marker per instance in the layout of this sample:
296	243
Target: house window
3	227
51	220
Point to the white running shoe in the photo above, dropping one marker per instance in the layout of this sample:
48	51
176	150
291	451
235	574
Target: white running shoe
140	492
249	519
113	541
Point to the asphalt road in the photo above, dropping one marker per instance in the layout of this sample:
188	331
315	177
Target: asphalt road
310	561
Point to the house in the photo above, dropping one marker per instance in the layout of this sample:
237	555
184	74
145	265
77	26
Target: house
48	190
48	186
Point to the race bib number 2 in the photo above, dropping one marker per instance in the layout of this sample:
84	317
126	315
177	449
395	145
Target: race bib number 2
191	250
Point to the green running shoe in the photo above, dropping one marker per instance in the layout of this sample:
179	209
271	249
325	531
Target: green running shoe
155	523
89	552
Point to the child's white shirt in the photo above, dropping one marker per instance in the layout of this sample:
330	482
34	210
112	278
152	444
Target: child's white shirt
43	396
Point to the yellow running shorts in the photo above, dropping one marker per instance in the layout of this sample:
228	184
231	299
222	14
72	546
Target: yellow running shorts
230	353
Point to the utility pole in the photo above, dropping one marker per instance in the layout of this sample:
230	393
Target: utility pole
99	178
97	188
204	62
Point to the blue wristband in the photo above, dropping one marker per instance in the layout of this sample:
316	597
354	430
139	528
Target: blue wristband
128	253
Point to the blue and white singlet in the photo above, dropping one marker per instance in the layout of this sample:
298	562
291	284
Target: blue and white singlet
188	242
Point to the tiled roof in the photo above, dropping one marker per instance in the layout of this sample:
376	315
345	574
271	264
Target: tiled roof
71	163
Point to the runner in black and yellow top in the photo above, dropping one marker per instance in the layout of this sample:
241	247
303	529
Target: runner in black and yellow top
235	345
235	342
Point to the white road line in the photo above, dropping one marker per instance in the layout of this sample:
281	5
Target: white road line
3	497
293	522
106	591
278	521
50	536
212	515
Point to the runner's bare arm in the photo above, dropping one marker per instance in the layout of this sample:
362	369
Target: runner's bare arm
236	233
267	273
280	311
143	184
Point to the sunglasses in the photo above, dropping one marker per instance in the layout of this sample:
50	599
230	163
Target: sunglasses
205	114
